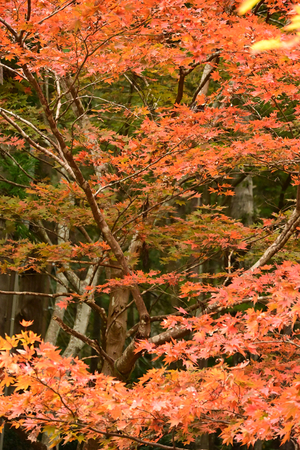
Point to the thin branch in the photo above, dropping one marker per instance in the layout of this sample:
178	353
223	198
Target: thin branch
79	425
88	54
5	180
98	309
47	163
17	164
281	240
91	342
56	12
35	144
137	89
13	71
35	294
85	234
132	438
16	116
166	199
117	105
56	392
9	27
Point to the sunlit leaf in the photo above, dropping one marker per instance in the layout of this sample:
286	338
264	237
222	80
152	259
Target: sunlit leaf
247	5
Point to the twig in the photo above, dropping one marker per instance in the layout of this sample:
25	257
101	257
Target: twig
56	393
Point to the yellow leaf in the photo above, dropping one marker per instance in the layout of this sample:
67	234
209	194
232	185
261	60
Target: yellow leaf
268	44
247	5
294	25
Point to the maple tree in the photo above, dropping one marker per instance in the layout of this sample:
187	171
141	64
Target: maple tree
127	128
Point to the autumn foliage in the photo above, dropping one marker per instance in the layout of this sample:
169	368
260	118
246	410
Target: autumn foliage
258	398
126	129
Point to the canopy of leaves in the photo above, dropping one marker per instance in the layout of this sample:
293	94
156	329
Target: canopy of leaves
118	168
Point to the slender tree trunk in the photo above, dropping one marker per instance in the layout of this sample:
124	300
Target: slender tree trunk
116	323
53	328
242	203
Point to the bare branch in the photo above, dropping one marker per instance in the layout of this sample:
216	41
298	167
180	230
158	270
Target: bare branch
9	27
56	11
144	329
91	342
5	180
13	71
16	116
58	106
34	144
281	240
35	294
135	439
16	163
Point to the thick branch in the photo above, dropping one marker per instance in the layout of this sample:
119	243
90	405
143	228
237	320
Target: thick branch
203	86
161	317
144	329
182	76
124	364
9	27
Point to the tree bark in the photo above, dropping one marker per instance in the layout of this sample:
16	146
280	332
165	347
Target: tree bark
242	203
116	324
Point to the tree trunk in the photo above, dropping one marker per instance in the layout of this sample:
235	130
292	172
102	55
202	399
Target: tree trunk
242	203
116	323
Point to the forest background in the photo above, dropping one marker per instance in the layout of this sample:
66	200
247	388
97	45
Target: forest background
150	213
